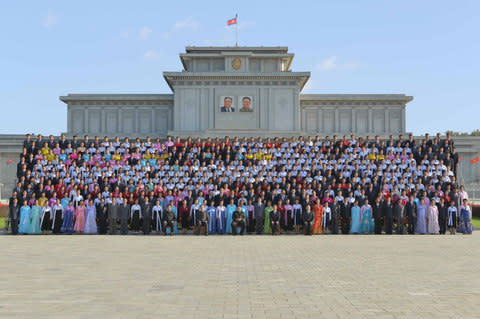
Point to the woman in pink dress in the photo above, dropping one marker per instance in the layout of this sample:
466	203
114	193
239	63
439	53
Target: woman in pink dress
80	217
432	219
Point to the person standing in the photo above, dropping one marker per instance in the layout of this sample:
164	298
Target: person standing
296	217
466	217
367	225
421	217
411	211
135	213
336	210
68	216
307	221
378	215
432	219
80	217
259	215
452	218
13	215
345	216
146	217
317	217
193	215
57	217
157	215
36	215
184	213
24	218
221	217
212	217
90	218
399	209
388	213
124	213
355	228
46	222
442	216
327	217
266	225
102	214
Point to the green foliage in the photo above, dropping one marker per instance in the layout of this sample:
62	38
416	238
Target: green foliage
473	133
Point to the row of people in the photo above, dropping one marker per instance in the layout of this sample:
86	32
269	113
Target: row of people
406	215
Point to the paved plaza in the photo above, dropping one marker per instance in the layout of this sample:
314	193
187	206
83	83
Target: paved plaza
240	277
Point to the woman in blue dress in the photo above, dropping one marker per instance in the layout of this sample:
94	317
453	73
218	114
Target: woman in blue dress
465	224
367	223
90	219
35	216
221	218
212	218
355	227
67	225
422	217
24	224
230	209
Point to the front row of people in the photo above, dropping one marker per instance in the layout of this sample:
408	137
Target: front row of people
411	216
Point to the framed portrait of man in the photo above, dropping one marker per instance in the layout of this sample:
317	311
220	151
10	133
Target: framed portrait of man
226	104
246	103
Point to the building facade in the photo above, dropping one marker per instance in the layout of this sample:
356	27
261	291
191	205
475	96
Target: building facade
249	91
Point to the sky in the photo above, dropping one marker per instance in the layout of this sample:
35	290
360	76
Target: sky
426	49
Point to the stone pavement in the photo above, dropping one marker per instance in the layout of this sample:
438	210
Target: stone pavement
240	277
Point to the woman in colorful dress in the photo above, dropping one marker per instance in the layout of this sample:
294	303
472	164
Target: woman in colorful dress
24	224
355	226
367	224
57	211
46	221
35	217
452	214
266	223
432	219
212	218
317	217
68	215
80	217
465	218
422	217
136	211
157	214
90	218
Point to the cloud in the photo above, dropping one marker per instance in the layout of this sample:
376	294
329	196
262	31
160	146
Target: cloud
144	33
150	54
186	24
332	63
50	20
125	35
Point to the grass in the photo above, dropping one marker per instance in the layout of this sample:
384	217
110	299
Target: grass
476	222
2	222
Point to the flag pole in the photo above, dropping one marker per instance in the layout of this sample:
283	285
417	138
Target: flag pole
236	30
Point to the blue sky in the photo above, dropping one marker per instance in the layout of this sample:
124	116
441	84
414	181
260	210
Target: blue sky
428	49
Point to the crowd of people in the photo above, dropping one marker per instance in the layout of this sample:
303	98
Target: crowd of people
239	186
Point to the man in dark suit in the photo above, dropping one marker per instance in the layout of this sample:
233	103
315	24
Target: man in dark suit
227	105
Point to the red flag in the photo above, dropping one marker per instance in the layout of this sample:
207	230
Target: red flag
10	161
232	21
474	160
460	159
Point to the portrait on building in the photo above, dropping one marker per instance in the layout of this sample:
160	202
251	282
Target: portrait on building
226	104
246	104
